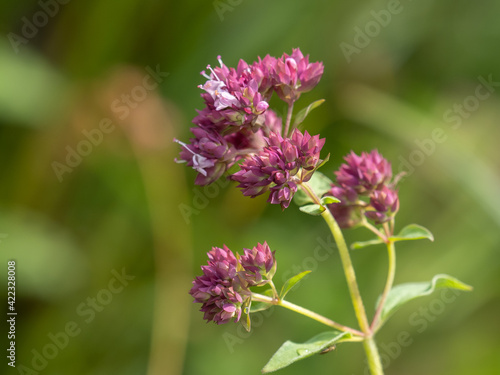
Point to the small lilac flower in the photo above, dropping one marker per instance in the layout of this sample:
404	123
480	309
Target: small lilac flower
209	154
385	203
220	289
347	212
295	75
364	173
232	98
259	262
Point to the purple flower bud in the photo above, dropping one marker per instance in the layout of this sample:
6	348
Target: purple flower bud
220	289
259	262
364	173
385	204
261	106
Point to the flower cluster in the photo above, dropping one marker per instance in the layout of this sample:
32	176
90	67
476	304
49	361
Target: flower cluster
236	122
223	289
280	166
366	176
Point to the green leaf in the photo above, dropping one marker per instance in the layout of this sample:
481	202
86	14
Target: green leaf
301	116
291	282
401	294
291	352
319	183
361	244
312	209
329	200
323	162
413	232
300	198
245	319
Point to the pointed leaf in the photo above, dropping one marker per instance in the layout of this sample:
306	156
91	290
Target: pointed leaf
260	306
291	282
291	352
361	244
323	162
329	200
312	209
400	294
301	116
245	318
413	232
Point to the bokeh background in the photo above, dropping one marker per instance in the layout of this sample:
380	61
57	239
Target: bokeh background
121	207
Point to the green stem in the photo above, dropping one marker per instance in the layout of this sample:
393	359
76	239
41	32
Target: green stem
373	356
275	292
370	227
288	119
350	275
388	285
368	343
371	350
305	312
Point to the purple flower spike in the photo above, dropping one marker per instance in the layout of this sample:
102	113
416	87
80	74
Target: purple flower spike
364	173
258	263
385	203
219	289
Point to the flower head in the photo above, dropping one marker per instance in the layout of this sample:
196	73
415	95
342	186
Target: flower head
364	187
295	75
364	173
232	98
219	289
258	262
223	289
280	166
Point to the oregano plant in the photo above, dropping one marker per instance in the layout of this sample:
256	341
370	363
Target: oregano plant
237	135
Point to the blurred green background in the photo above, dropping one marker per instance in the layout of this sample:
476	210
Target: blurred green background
118	208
